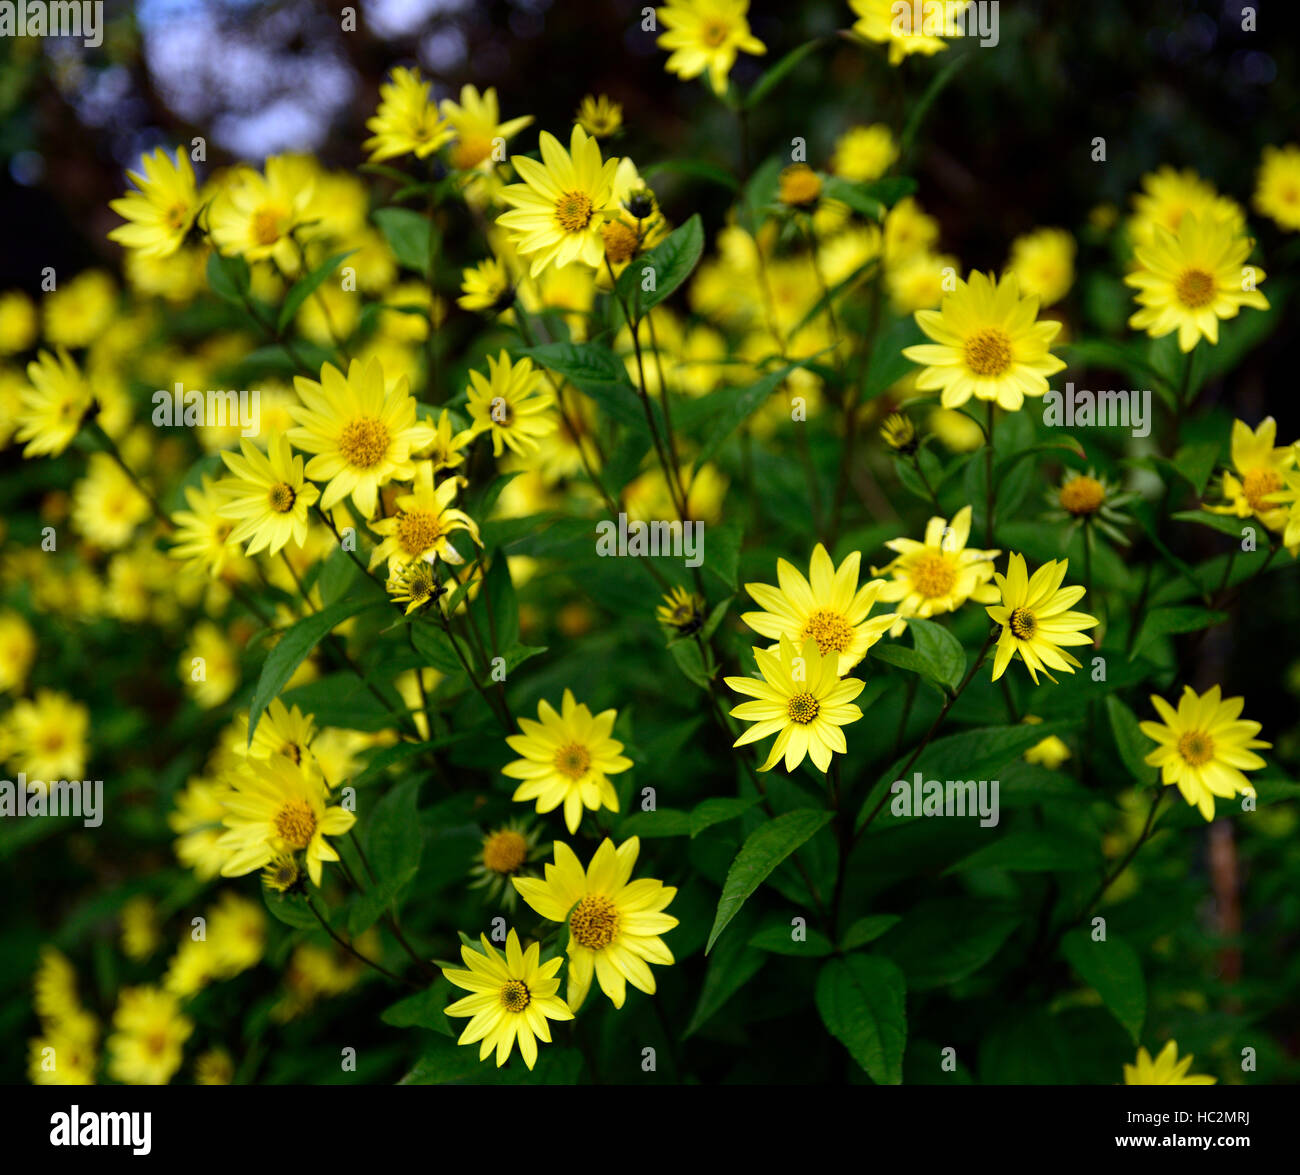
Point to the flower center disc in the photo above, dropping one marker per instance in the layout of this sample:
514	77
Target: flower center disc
933	576
282	497
296	823
1257	484
1196	747
988	351
620	241
594	922
417	531
802	708
829	629
572	760
266	225
1023	624
1083	495
515	996
573	211
505	852
1194	288
363	442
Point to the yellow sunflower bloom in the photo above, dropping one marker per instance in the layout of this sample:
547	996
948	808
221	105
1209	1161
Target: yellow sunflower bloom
827	606
940	573
988	343
706	35
908	26
614	923
568	758
480	136
1189	280
1277	187
557	212
407	121
801	700
53	408
149	1033
599	115
513	997
424	521
362	434
510	403
1166	1069
274	807
160	214
267	497
1036	620
202	534
1258	474
254	215
486	287
1043	262
1204	746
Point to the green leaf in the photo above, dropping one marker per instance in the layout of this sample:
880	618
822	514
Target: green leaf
691	662
853	195
1114	969
944	940
423	1010
1044	850
940	650
868	929
1160	622
291	909
503	607
692	167
780	940
596	373
290	650
707	813
304	287
774	76
394	841
408	235
726	409
765	848
1132	744
735	964
862	1001
722	551
1228	524
668	264
228	277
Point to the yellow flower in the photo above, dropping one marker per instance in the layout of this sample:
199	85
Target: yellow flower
196	819
1166	1069
987	343
267	496
486	287
1288	500
160	214
1260	471
407	121
567	759
209	666
255	215
282	873
917	282
414	584
54	406
801	700
682	611
1204	746
140	933
480	137
1043	263
706	35
513	998
864	153
362	435
614	923
1049	753
799	186
1168	195
17	650
908	26
1035	618
908	231
202	535
78	313
511	404
443	448
106	505
1187	282
938	574
506	853
47	736
899	433
236	934
274	807
557	212
149	1033
214	1067
599	116
827	606
17	322
54	987
424	521
1277	187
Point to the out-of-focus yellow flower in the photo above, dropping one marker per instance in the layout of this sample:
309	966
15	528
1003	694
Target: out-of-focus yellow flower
599	116
78	313
209	666
17	322
1166	1069
1277	187
480	136
908	26
864	153
407	121
17	650
1043	262
140	931
706	35
161	212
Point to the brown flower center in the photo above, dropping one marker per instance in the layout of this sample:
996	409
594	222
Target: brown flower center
829	629
418	531
1196	747
515	996
988	351
364	441
933	575
296	823
282	497
802	708
572	760
1194	288
504	851
1257	484
573	211
1083	495
1023	624
620	241
594	922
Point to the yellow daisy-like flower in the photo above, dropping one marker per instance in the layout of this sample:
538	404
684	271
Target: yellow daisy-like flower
407	121
1288	501
1168	195
149	1034
282	874
53	408
140	930
706	35
1188	281
557	212
268	497
507	852
202	535
196	819
1166	1069
682	611
17	322
486	287
940	573
510	403
827	606
1204	746
801	700
614	923
1260	473
160	214
414	584
1277	187
1036	620
599	115
443	448
908	26
361	433
513	998
1043	262
47	736
480	136
274	807
254	215
214	1067
899	433
17	650
988	343
78	313
107	505
568	758
424	521
864	153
